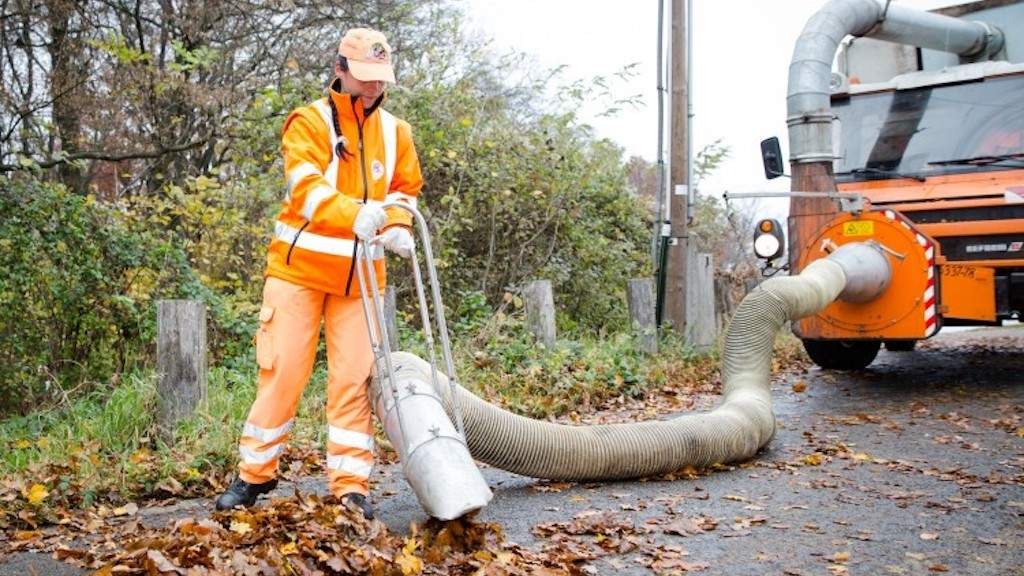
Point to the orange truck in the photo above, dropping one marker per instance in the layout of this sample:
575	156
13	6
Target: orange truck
916	143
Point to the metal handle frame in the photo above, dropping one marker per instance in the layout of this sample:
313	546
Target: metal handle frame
373	307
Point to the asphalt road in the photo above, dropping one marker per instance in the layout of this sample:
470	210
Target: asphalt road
922	471
914	466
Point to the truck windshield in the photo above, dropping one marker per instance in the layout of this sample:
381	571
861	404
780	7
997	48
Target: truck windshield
932	130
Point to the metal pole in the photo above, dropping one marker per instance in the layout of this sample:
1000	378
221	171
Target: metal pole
675	282
659	217
376	325
691	191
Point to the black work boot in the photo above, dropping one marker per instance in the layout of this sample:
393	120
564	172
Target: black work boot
357	501
241	493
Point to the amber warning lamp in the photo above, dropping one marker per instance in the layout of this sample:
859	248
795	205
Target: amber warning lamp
769	241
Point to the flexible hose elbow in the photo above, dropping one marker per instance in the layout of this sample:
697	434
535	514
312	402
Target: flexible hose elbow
735	430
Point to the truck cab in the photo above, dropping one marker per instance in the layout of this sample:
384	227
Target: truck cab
945	149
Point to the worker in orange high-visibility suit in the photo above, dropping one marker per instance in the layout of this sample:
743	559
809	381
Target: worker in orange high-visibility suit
343	156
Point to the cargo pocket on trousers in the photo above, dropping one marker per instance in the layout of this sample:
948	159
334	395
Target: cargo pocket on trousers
265	340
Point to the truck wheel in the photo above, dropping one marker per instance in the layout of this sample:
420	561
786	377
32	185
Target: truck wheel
842	355
900	345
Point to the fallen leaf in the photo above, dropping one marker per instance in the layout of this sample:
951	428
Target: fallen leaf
799	386
242	528
36	494
338	564
551	486
129	509
814	459
409	564
840	557
161	563
929	536
938	568
683	527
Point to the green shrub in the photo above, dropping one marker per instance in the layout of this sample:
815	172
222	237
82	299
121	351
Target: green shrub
77	290
508	366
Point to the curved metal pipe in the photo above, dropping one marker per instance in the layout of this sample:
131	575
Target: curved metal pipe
809	113
867	271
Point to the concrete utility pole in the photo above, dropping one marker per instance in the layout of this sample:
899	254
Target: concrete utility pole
675	269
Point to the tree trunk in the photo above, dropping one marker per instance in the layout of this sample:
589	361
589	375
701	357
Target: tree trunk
65	84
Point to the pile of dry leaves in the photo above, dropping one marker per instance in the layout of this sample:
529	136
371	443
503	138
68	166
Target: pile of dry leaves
306	534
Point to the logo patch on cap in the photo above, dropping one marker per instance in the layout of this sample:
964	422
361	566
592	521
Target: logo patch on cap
377	52
377	170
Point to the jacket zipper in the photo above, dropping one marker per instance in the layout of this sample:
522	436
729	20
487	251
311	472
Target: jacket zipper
366	191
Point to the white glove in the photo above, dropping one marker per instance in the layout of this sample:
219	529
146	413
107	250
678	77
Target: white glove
368	220
399	241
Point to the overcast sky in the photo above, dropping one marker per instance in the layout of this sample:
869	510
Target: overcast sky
741	53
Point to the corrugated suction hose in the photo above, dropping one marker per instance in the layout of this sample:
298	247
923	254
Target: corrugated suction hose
735	430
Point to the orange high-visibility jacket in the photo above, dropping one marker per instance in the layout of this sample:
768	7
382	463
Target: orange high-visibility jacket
328	179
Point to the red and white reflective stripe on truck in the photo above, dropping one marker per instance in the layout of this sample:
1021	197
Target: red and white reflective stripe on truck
931	311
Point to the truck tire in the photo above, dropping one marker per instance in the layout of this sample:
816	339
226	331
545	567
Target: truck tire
900	345
842	354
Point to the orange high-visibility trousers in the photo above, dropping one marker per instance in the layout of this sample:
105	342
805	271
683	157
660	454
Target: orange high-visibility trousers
285	350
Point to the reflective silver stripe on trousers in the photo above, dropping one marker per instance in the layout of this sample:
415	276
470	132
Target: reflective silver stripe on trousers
349	438
250	456
353	466
319	243
267	435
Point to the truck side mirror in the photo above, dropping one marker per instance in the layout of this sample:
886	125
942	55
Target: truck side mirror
771	157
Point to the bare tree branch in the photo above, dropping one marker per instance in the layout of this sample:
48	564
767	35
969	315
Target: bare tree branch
106	156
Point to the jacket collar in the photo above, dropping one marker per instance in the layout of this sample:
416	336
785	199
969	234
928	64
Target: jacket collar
351	107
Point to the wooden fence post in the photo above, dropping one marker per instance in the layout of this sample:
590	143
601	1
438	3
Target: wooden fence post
540	311
390	316
181	361
701	326
640	293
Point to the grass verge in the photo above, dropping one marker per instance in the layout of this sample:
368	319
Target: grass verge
102	449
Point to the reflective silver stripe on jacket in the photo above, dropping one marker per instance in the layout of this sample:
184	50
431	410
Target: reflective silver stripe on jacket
319	243
402	196
389	130
331	173
298	174
313	199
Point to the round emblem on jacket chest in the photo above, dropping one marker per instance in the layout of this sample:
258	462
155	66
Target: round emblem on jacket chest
377	169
